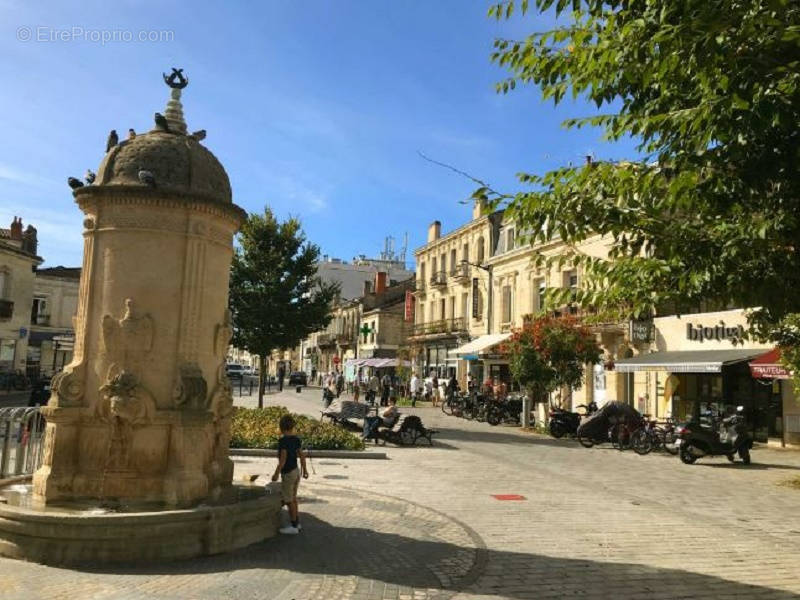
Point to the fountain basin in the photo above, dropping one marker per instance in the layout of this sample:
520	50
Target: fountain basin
75	533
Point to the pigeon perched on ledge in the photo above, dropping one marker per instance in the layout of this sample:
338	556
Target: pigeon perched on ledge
113	140
131	134
161	122
89	177
198	135
74	183
147	178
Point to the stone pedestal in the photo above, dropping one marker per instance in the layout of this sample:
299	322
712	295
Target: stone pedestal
143	410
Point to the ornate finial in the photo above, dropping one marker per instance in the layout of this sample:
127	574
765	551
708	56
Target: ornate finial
176	79
174	111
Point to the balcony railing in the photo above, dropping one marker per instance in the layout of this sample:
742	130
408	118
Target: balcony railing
6	309
345	339
325	339
461	273
456	325
439	279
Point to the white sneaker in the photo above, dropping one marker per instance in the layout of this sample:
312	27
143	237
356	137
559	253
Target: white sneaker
289	530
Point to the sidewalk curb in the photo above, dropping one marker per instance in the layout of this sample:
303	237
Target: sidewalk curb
313	453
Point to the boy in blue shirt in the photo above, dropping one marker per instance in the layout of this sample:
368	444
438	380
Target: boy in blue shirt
289	450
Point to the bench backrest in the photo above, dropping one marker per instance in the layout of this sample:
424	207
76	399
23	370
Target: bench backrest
354	410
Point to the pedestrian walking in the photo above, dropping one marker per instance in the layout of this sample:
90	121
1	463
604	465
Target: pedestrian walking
386	389
413	389
339	384
436	391
281	375
373	387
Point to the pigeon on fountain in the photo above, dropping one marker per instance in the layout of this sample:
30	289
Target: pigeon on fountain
113	140
89	177
131	134
74	183
147	177
198	135
161	122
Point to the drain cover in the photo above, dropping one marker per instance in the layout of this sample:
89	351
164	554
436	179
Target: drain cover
508	497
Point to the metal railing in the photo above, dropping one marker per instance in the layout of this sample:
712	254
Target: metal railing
21	440
439	278
461	273
442	326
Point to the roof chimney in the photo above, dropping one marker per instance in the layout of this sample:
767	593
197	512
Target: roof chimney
477	209
380	282
29	242
589	159
16	229
434	231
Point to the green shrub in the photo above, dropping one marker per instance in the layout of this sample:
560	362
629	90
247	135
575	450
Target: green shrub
258	428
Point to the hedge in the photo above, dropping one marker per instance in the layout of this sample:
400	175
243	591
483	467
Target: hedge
258	428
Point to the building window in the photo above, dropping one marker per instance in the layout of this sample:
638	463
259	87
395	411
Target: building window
433	267
39	312
571	282
442	316
465	306
4	281
465	254
421	313
430	312
443	260
539	289
373	328
480	251
478	315
452	307
506	304
422	273
510	240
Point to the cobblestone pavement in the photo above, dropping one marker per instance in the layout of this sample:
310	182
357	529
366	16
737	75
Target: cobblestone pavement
593	524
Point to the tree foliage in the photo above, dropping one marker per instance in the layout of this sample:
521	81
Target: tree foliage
549	353
276	298
708	213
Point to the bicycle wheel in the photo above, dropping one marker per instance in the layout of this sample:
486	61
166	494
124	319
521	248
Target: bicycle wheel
641	441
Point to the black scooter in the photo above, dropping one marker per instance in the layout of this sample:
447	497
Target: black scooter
564	422
727	437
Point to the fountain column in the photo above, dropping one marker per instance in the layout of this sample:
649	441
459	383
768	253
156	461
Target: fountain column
143	410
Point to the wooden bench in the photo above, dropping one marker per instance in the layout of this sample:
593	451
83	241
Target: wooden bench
406	431
340	411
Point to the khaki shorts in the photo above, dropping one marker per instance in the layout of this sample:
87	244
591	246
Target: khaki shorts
289	483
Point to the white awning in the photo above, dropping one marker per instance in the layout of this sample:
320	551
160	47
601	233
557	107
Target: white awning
688	361
480	345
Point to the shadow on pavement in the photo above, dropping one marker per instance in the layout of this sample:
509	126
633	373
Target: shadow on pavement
324	549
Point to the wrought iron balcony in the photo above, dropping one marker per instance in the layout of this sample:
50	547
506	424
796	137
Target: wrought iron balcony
443	326
6	309
461	273
439	279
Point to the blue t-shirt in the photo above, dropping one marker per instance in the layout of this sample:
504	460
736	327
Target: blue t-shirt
290	443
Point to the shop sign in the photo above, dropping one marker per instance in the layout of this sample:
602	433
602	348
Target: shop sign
700	333
475	299
642	331
409	307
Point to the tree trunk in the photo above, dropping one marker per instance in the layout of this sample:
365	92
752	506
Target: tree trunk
262	367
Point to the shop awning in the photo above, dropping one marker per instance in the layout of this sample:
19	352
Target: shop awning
768	366
688	361
480	345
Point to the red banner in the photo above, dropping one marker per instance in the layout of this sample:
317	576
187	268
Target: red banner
409	306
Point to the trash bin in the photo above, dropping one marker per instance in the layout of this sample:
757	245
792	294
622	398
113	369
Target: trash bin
298	389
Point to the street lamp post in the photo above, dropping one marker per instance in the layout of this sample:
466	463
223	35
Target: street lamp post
488	269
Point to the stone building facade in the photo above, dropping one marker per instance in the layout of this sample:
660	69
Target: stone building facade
18	262
52	333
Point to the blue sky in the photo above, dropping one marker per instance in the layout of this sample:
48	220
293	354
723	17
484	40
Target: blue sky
317	108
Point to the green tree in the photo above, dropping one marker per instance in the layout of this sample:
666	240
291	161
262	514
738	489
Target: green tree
276	298
708	212
548	354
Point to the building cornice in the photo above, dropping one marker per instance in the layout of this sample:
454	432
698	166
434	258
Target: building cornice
473	224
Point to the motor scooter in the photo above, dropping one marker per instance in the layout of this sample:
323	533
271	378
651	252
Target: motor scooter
727	437
564	422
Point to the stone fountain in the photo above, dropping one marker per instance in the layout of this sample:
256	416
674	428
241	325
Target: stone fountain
136	461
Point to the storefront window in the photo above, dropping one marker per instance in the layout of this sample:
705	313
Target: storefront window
7	352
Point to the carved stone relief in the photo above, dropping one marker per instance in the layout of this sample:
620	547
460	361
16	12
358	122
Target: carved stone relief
191	390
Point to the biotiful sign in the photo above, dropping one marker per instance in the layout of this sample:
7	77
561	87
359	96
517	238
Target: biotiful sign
719	333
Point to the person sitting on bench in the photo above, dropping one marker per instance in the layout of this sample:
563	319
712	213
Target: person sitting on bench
387	418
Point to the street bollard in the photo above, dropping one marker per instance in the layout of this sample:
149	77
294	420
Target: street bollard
526	411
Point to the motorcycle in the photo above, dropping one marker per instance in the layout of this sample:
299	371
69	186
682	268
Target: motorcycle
727	437
564	422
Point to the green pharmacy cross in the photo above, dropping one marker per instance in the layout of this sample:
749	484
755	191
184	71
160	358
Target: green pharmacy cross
365	331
